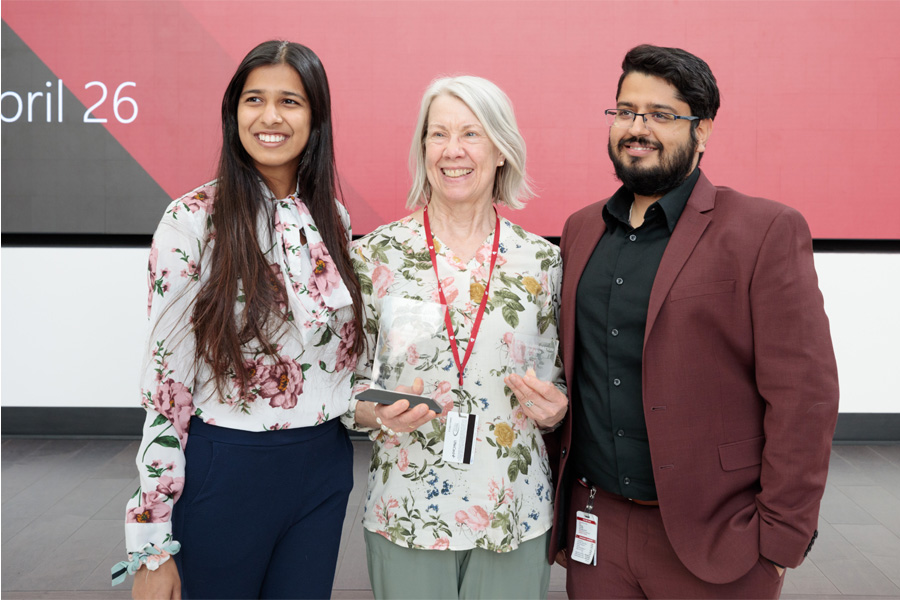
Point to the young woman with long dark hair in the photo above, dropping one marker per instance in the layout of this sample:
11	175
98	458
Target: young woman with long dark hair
255	319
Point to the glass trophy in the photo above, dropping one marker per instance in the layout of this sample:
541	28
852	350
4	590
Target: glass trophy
525	352
409	340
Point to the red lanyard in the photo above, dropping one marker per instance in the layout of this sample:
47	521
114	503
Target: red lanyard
461	366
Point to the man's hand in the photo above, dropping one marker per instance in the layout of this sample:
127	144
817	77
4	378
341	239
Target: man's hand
562	559
778	568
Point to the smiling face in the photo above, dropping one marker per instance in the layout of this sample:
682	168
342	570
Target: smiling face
651	160
273	118
460	160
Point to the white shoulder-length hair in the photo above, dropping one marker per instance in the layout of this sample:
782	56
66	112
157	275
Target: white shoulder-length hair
495	113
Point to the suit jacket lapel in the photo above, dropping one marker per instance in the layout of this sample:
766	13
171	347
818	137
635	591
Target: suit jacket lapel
690	227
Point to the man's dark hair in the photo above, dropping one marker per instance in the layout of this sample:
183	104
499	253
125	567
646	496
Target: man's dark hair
690	75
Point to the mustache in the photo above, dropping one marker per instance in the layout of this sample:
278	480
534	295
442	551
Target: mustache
640	141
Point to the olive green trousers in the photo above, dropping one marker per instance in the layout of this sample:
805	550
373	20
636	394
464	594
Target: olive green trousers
399	573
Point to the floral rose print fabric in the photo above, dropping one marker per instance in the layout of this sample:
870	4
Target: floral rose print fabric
504	497
308	383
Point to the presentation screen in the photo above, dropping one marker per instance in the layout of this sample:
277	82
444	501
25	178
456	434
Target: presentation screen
111	108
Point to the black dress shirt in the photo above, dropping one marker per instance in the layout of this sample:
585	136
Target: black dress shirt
610	446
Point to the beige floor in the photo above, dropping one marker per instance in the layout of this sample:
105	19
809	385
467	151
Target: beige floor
62	504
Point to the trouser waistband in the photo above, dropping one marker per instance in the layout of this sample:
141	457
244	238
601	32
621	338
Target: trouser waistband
586	483
279	437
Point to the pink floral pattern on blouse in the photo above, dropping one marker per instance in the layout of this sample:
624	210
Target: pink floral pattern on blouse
504	498
313	348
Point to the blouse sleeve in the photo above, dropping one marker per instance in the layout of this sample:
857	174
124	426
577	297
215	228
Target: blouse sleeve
167	375
554	279
362	265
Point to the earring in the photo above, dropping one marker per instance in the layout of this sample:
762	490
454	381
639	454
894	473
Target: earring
502	162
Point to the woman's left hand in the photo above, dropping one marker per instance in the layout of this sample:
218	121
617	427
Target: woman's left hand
541	400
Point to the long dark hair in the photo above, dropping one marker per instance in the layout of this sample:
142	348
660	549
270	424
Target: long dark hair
236	253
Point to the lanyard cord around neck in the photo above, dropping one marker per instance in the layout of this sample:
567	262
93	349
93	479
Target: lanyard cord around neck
454	346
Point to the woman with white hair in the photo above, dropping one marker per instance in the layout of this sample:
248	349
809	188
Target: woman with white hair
475	524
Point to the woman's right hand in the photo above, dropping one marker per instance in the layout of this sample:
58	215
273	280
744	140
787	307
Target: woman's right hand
161	584
398	417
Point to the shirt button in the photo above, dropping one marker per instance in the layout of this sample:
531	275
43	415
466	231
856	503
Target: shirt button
615	332
626	481
620	433
619	280
617	382
632	237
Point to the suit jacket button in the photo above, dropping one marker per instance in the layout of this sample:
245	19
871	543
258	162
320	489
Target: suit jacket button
563	452
811	542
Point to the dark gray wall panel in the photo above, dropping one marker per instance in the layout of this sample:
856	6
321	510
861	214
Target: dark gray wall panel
41	421
69	177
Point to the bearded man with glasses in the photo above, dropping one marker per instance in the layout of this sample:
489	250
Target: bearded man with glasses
703	385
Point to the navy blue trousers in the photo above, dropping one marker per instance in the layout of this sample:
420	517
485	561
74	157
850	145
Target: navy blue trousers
261	513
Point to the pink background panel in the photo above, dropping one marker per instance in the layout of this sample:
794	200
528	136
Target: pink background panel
809	111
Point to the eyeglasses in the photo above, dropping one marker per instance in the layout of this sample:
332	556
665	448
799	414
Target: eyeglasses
617	117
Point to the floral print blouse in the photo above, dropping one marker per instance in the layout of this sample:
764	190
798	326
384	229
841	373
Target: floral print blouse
504	497
308	384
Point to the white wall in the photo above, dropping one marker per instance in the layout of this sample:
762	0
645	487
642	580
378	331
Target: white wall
73	323
862	299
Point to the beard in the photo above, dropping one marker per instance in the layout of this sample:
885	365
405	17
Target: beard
673	168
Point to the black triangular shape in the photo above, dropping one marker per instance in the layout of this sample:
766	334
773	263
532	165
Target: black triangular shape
69	177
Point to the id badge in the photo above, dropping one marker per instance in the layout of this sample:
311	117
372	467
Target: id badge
459	437
584	550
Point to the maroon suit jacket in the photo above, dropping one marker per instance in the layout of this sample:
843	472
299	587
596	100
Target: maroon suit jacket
740	386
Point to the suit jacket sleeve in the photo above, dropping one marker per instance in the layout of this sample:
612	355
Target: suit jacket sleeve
796	375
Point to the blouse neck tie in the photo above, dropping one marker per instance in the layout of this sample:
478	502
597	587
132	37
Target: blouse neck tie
313	284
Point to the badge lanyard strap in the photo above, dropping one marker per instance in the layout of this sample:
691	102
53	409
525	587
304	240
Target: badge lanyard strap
454	346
